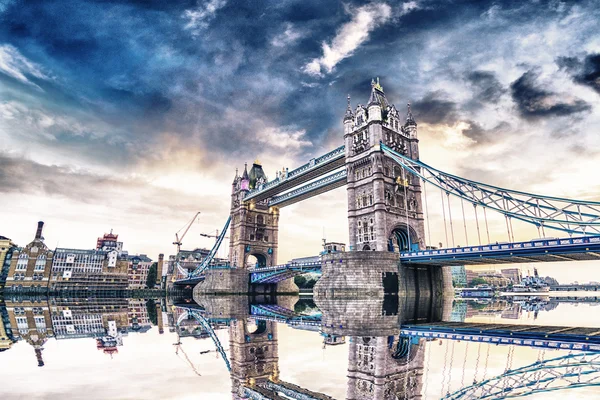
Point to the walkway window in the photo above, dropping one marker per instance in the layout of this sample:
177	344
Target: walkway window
22	262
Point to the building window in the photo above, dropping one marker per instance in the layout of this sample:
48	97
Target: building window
22	262
40	263
359	232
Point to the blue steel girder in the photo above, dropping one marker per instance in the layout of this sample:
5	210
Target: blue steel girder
213	252
315	167
322	185
277	273
540	250
567	215
566	372
211	332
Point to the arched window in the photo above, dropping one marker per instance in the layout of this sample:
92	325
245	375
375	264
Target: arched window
370	199
359	232
260	219
22	262
366	232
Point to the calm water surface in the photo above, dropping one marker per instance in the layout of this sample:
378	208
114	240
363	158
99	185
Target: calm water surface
162	349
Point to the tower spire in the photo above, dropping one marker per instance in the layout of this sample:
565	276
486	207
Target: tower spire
409	117
349	114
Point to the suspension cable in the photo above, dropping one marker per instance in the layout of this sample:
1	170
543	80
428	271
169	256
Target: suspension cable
429	350
450	369
405	184
487	228
464	367
512	231
477	363
477	223
450	217
487	358
444	370
462	205
444	214
427	214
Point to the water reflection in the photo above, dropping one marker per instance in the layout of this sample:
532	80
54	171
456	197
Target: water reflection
417	347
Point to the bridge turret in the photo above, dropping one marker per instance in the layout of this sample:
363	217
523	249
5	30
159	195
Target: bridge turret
245	181
410	126
348	118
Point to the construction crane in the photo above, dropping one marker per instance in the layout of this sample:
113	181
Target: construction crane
178	240
215	236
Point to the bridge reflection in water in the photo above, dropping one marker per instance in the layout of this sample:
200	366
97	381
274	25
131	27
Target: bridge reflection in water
401	348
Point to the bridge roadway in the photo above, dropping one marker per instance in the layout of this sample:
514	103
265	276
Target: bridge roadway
315	168
552	337
539	250
547	250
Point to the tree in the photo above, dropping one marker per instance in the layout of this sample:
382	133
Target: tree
478	281
300	281
152	313
151	278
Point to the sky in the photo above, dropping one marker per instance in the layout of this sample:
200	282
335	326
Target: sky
133	116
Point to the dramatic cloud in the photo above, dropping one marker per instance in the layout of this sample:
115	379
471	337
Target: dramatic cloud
199	17
15	65
586	72
289	36
434	108
534	100
486	87
350	36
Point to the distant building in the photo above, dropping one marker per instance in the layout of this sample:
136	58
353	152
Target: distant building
6	335
109	242
88	269
459	311
137	270
513	274
137	315
6	250
459	275
30	266
30	321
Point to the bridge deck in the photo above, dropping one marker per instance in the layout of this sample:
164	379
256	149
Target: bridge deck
315	168
557	337
547	250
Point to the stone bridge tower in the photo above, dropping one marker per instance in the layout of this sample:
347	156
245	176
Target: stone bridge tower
384	202
254	226
385	368
253	353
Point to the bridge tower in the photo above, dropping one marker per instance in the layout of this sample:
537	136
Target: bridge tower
385	368
253	353
254	226
384	202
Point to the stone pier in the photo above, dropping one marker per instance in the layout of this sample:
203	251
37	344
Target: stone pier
360	274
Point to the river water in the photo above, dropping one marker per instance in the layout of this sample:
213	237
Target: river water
236	347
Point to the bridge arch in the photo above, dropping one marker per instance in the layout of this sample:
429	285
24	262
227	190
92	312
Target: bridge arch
256	259
402	238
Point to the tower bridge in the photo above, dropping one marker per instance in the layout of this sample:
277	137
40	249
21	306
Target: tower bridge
388	217
387	353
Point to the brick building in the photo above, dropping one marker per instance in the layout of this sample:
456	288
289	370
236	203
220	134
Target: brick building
137	270
30	266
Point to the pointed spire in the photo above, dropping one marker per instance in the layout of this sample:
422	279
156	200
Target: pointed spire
245	174
245	183
236	177
349	114
377	95
409	117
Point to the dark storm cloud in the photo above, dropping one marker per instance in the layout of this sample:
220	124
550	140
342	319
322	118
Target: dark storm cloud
480	135
434	108
486	87
585	72
534	101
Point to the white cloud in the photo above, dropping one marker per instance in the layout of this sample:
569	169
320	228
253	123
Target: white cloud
200	17
349	37
287	37
17	66
283	139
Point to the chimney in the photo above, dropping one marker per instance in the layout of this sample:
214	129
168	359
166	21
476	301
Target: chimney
38	234
159	268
